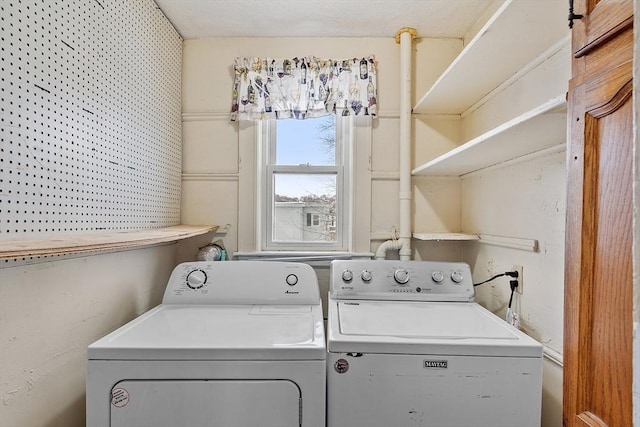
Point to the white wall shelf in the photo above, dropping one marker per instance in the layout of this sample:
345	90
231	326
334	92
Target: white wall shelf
541	127
77	243
518	32
530	245
437	237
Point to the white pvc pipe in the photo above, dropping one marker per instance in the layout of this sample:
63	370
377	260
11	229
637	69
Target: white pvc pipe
406	38
381	252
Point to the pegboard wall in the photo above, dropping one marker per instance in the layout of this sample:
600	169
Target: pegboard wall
90	134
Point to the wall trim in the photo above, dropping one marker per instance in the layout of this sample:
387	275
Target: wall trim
435	178
196	116
395	176
203	116
385	176
530	245
556	149
439	117
210	176
541	59
552	356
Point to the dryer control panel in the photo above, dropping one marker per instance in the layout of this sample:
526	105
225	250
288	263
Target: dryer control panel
401	280
242	282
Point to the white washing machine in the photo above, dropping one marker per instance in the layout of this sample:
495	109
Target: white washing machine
409	347
238	343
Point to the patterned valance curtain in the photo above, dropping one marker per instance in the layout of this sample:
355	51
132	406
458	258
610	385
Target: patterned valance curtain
303	88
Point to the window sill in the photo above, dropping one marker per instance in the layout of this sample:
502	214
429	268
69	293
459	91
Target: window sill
91	242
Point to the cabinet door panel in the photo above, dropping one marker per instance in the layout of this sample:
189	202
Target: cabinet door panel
598	271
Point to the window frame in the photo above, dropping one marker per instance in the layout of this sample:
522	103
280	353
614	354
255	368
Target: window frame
343	171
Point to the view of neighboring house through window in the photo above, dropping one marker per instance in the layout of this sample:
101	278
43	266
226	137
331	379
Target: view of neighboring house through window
305	184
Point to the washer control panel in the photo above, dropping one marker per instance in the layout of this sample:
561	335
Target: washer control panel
242	282
401	280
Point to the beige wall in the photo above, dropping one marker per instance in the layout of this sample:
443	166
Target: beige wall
523	199
51	311
215	150
52	308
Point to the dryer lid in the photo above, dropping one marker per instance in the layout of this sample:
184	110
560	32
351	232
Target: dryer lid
196	332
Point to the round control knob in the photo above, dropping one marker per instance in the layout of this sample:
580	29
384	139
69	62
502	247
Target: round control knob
401	276
196	279
292	280
457	276
437	276
366	276
347	275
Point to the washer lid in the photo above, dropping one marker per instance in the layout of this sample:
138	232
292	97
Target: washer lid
193	332
423	328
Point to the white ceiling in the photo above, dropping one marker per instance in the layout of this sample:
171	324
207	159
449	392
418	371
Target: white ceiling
321	18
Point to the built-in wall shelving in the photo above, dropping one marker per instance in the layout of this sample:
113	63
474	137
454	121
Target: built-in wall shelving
517	38
13	248
517	33
542	127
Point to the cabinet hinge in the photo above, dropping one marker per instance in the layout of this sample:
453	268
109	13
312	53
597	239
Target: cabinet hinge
572	15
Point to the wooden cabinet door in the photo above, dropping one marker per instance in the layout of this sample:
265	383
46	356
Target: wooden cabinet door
598	263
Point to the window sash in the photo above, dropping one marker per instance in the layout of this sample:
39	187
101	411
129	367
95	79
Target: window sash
269	229
342	156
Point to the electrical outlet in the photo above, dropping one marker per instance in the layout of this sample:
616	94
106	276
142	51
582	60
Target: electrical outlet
520	288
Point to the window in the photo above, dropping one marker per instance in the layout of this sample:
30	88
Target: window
313	219
306	172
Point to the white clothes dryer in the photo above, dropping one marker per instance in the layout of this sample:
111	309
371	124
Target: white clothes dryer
409	347
238	343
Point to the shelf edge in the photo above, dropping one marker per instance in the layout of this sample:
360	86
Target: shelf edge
438	97
549	106
531	245
486	27
91	242
445	236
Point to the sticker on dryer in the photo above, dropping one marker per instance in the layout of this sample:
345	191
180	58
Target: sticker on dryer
119	397
341	366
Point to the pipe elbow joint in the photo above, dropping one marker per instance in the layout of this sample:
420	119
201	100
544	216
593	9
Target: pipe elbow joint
384	247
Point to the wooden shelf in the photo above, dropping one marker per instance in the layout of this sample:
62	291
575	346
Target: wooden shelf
91	242
542	127
517	33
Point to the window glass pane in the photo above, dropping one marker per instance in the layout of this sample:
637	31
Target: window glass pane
304	208
311	141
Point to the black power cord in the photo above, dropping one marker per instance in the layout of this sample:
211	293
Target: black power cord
513	274
514	285
512	318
